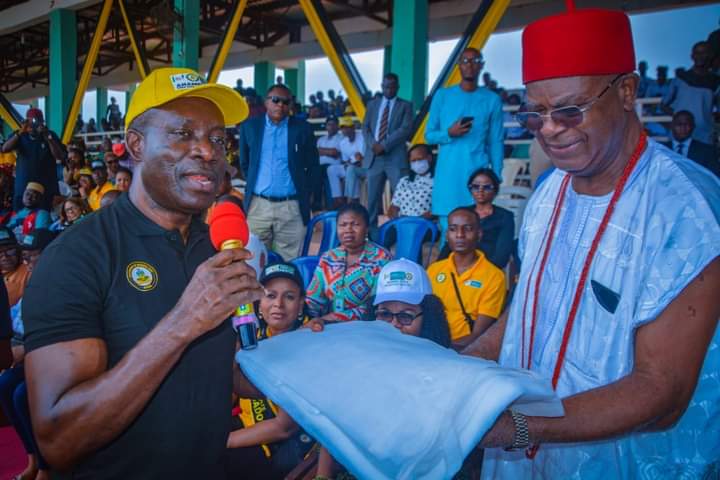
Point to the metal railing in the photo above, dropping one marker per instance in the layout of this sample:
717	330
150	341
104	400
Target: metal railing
641	104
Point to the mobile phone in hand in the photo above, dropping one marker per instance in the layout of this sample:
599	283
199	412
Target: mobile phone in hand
466	120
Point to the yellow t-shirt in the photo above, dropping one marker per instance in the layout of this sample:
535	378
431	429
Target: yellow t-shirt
97	194
482	288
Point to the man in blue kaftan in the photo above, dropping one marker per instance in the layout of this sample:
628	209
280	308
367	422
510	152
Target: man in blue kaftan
464	146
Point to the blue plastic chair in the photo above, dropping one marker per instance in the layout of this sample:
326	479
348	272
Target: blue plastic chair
307	266
329	233
410	233
274	257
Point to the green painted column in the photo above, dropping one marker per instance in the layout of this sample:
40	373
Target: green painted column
128	95
47	107
387	59
410	49
6	130
264	77
63	61
295	80
101	103
186	34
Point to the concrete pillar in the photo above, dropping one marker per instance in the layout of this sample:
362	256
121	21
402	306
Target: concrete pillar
387	59
410	49
186	34
101	103
264	77
295	80
63	61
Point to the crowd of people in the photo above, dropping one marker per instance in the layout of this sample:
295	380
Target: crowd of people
131	346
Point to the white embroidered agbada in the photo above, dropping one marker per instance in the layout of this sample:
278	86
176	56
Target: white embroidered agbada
664	231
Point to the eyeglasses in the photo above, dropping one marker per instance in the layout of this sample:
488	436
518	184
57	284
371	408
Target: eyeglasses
465	61
485	187
403	318
9	253
276	99
569	117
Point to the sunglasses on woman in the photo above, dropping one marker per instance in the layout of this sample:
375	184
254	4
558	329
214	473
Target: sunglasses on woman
569	117
403	318
277	99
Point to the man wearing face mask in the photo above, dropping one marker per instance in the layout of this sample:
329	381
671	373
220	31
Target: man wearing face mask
413	194
38	149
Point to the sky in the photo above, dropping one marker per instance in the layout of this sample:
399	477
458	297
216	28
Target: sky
662	38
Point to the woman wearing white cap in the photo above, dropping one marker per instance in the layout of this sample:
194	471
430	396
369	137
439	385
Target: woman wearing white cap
403	298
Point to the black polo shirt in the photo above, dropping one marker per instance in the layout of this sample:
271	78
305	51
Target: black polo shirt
114	276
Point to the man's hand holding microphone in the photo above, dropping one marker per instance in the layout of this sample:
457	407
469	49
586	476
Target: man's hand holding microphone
223	282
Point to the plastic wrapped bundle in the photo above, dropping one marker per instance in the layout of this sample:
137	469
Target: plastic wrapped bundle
388	405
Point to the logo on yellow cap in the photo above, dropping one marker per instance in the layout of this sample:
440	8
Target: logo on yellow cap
183	81
142	276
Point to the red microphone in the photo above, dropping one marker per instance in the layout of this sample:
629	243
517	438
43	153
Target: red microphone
229	229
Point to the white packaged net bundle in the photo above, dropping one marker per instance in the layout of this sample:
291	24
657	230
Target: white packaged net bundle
388	405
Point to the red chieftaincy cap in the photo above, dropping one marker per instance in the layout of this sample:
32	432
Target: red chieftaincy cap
578	43
227	222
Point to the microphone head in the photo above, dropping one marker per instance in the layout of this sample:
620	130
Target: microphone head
227	222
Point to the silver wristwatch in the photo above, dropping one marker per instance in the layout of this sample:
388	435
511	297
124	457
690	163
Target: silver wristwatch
522	433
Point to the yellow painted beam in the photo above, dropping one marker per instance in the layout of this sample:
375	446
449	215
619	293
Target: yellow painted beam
317	27
133	41
87	71
8	118
478	40
224	48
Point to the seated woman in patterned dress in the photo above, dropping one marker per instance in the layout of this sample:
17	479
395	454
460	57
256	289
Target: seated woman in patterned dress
344	280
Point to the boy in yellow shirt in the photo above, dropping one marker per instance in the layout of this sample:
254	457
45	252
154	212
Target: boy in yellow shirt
469	285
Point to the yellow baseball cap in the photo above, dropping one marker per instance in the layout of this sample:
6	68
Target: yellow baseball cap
35	186
166	84
346	122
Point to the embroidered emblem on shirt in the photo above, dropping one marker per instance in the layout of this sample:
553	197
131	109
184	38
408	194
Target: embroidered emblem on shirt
440	277
142	276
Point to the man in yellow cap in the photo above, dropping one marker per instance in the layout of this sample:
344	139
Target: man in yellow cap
129	354
31	216
616	305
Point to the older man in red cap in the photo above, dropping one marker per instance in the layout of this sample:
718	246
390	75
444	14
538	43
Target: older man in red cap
617	301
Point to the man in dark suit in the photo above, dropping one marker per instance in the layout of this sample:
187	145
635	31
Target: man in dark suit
386	128
277	154
682	127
